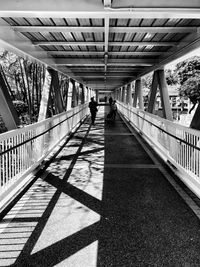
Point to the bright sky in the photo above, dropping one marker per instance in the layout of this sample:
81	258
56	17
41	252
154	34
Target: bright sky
172	64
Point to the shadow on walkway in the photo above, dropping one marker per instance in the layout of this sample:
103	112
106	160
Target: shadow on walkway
101	202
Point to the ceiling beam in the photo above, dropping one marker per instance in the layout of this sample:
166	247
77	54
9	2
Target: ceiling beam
114	79
58	29
96	74
103	85
21	46
116	69
100	62
95	9
106	36
98	29
57	43
112	53
190	43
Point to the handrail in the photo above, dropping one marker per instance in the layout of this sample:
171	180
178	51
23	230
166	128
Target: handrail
164	131
36	136
175	143
23	149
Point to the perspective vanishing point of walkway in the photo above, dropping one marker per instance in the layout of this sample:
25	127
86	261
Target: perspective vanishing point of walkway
103	200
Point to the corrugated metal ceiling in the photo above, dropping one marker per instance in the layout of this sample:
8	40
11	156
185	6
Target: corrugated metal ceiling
101	50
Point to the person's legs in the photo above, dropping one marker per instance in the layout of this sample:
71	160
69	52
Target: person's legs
114	115
93	116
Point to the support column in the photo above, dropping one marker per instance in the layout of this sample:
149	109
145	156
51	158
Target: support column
167	112
74	94
45	97
114	94
140	95
69	97
82	94
160	81
195	123
117	91
129	94
88	94
123	94
119	94
137	85
7	109
97	96
78	99
153	92
58	98
65	93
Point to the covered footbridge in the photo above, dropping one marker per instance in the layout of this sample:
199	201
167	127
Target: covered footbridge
122	193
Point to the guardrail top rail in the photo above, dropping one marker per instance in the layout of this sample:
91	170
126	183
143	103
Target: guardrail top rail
23	149
178	144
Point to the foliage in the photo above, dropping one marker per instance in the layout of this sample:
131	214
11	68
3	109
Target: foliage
2	126
20	107
188	73
191	89
147	80
24	80
187	69
171	77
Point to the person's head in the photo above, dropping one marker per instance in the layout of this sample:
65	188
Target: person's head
92	98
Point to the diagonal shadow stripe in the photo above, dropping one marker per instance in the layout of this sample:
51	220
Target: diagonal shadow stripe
43	220
68	157
77	194
89	139
22	220
38	230
61	250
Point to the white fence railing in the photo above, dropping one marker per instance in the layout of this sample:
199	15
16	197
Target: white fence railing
177	144
22	150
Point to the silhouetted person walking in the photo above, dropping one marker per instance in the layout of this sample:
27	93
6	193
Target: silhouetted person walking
113	109
93	109
110	100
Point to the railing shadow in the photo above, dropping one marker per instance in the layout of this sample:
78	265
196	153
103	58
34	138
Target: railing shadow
85	214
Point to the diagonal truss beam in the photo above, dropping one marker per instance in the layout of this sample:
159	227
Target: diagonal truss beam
20	45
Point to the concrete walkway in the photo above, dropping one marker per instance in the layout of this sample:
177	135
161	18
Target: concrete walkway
102	201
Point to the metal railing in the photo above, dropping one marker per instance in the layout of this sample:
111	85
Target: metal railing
178	145
22	150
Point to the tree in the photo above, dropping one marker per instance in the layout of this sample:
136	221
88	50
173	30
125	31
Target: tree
147	80
188	73
171	77
24	80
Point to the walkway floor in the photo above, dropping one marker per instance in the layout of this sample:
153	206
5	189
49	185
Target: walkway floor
102	201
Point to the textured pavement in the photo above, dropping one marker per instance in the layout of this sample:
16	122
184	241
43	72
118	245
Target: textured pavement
101	202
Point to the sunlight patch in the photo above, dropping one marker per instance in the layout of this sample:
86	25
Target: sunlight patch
68	218
86	257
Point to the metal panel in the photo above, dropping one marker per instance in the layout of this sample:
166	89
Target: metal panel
115	37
